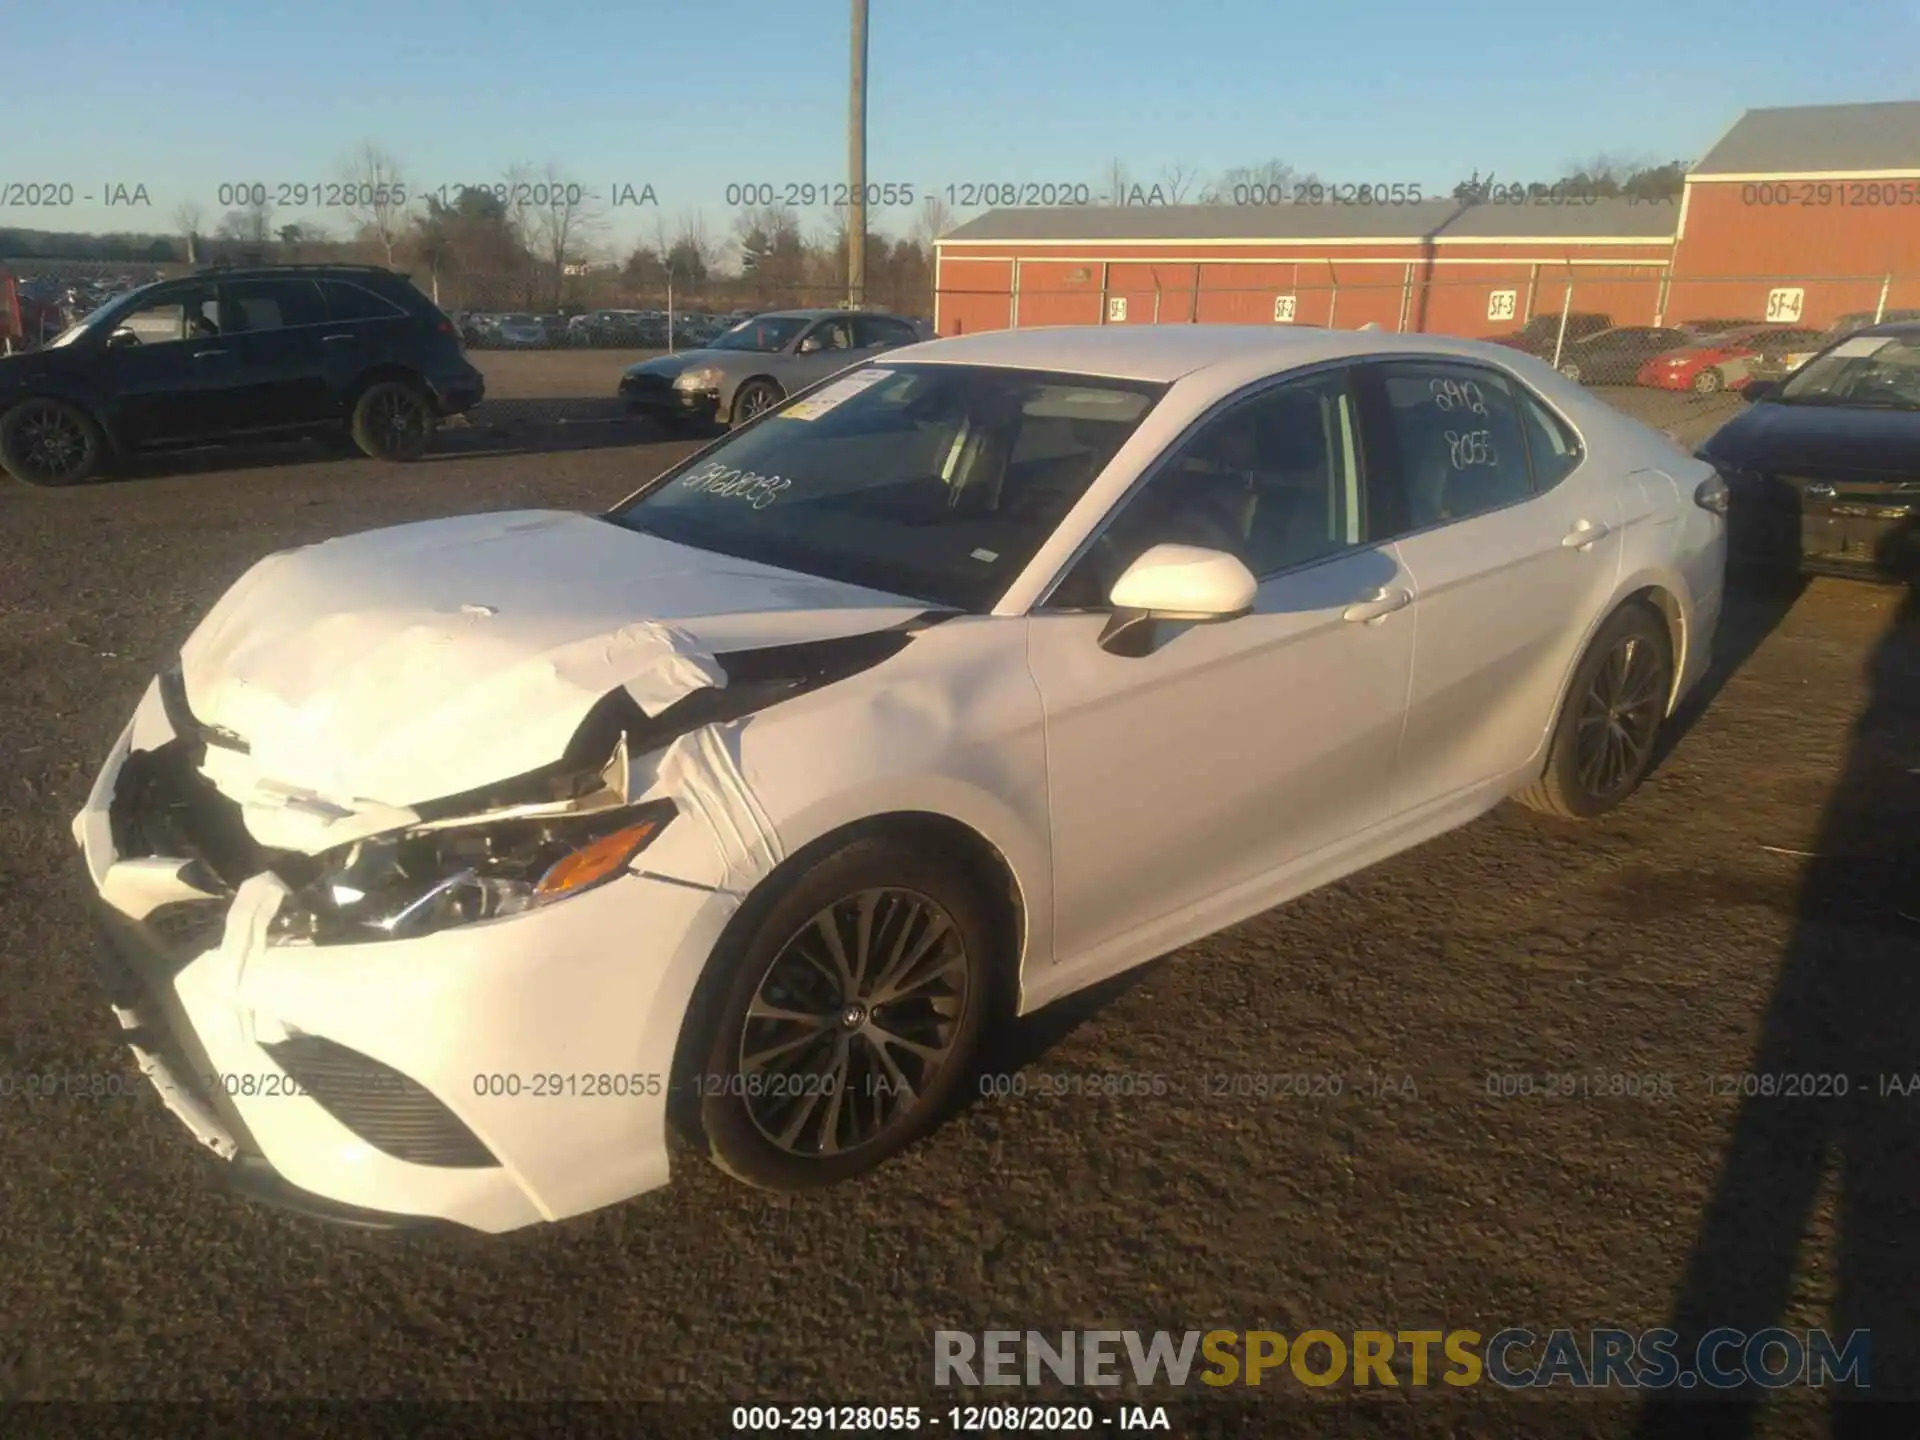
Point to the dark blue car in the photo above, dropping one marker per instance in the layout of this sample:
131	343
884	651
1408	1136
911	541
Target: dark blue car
1824	466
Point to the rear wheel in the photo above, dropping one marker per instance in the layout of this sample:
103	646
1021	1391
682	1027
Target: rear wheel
50	442
1603	744
1709	381
393	421
850	1017
756	397
1570	370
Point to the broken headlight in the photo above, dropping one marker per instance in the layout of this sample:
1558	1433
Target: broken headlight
414	882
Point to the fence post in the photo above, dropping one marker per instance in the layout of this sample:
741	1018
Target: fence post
1880	310
1566	304
1106	287
1156	297
1013	300
1333	302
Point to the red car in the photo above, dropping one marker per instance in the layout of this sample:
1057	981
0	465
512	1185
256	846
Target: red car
1723	361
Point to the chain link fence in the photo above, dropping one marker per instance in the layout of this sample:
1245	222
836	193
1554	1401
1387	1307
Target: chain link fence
1672	350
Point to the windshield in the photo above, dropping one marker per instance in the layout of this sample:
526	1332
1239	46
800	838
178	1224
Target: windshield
105	317
1880	372
936	482
766	335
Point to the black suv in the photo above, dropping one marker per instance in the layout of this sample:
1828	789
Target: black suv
237	354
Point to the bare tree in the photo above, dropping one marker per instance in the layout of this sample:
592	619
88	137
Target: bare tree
934	220
1176	180
1268	183
249	225
1114	184
554	218
692	237
188	218
377	191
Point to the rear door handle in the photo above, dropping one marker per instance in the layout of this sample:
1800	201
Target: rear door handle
1383	604
1584	534
337	339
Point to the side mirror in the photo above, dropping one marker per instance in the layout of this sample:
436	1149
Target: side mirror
122	340
1175	582
1759	390
812	345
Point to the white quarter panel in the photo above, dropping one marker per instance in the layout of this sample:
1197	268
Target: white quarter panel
1504	605
1229	750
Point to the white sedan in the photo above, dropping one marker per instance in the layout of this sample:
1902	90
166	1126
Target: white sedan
454	863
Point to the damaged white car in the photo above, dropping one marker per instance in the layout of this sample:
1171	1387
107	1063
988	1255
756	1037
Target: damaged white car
452	864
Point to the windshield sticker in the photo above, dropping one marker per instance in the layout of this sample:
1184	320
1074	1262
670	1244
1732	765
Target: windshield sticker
836	394
1865	345
730	482
987	555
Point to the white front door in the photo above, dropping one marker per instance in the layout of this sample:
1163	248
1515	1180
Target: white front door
1233	747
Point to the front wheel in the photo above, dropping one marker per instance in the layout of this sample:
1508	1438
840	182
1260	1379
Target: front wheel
1603	745
1571	371
850	1019
50	442
756	397
1709	381
393	421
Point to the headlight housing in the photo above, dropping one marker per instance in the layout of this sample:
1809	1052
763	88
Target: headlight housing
414	882
700	377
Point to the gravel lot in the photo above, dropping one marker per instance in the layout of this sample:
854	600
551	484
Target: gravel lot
1755	910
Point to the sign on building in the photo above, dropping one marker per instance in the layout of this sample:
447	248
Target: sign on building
1116	309
1503	304
1785	305
1283	309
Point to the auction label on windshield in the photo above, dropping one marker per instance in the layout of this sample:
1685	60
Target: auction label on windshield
836	394
1864	345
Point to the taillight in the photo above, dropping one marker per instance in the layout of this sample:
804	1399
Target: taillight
1712	494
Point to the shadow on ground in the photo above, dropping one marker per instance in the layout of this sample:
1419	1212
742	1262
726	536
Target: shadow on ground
1839	1052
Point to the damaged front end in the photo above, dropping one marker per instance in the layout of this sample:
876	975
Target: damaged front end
488	853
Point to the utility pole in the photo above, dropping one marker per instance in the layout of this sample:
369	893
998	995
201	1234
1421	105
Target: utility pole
857	162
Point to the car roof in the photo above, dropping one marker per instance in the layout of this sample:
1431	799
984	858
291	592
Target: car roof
1900	329
1165	353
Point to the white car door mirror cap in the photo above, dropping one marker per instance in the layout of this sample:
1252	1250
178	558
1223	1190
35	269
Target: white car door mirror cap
1186	582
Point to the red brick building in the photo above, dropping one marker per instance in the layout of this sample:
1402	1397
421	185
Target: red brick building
1725	250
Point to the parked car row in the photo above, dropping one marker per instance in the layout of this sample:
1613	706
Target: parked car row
1703	356
596	329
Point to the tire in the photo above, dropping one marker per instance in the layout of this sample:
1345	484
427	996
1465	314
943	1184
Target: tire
755	398
1622	682
839	1111
50	442
1709	381
393	421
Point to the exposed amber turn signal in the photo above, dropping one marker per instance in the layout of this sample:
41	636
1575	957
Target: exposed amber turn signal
591	864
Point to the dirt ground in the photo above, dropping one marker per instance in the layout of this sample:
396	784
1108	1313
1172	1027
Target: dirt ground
1754	911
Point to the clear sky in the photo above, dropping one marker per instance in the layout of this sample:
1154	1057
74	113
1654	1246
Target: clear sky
694	95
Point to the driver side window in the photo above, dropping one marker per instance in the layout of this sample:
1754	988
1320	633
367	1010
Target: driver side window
192	313
828	335
1273	480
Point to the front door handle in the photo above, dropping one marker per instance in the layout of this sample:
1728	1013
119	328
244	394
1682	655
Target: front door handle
1585	534
1383	604
211	354
337	339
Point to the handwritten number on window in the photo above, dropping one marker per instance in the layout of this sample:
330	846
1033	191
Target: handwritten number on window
1458	395
1475	447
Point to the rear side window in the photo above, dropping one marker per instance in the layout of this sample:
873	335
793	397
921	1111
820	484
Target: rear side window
877	330
1459	441
346	301
274	304
1551	443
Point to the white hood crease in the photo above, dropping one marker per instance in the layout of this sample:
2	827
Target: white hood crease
657	664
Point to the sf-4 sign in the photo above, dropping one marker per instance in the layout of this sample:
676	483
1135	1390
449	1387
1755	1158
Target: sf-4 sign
1785	305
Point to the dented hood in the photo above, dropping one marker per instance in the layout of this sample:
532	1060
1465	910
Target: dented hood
425	660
